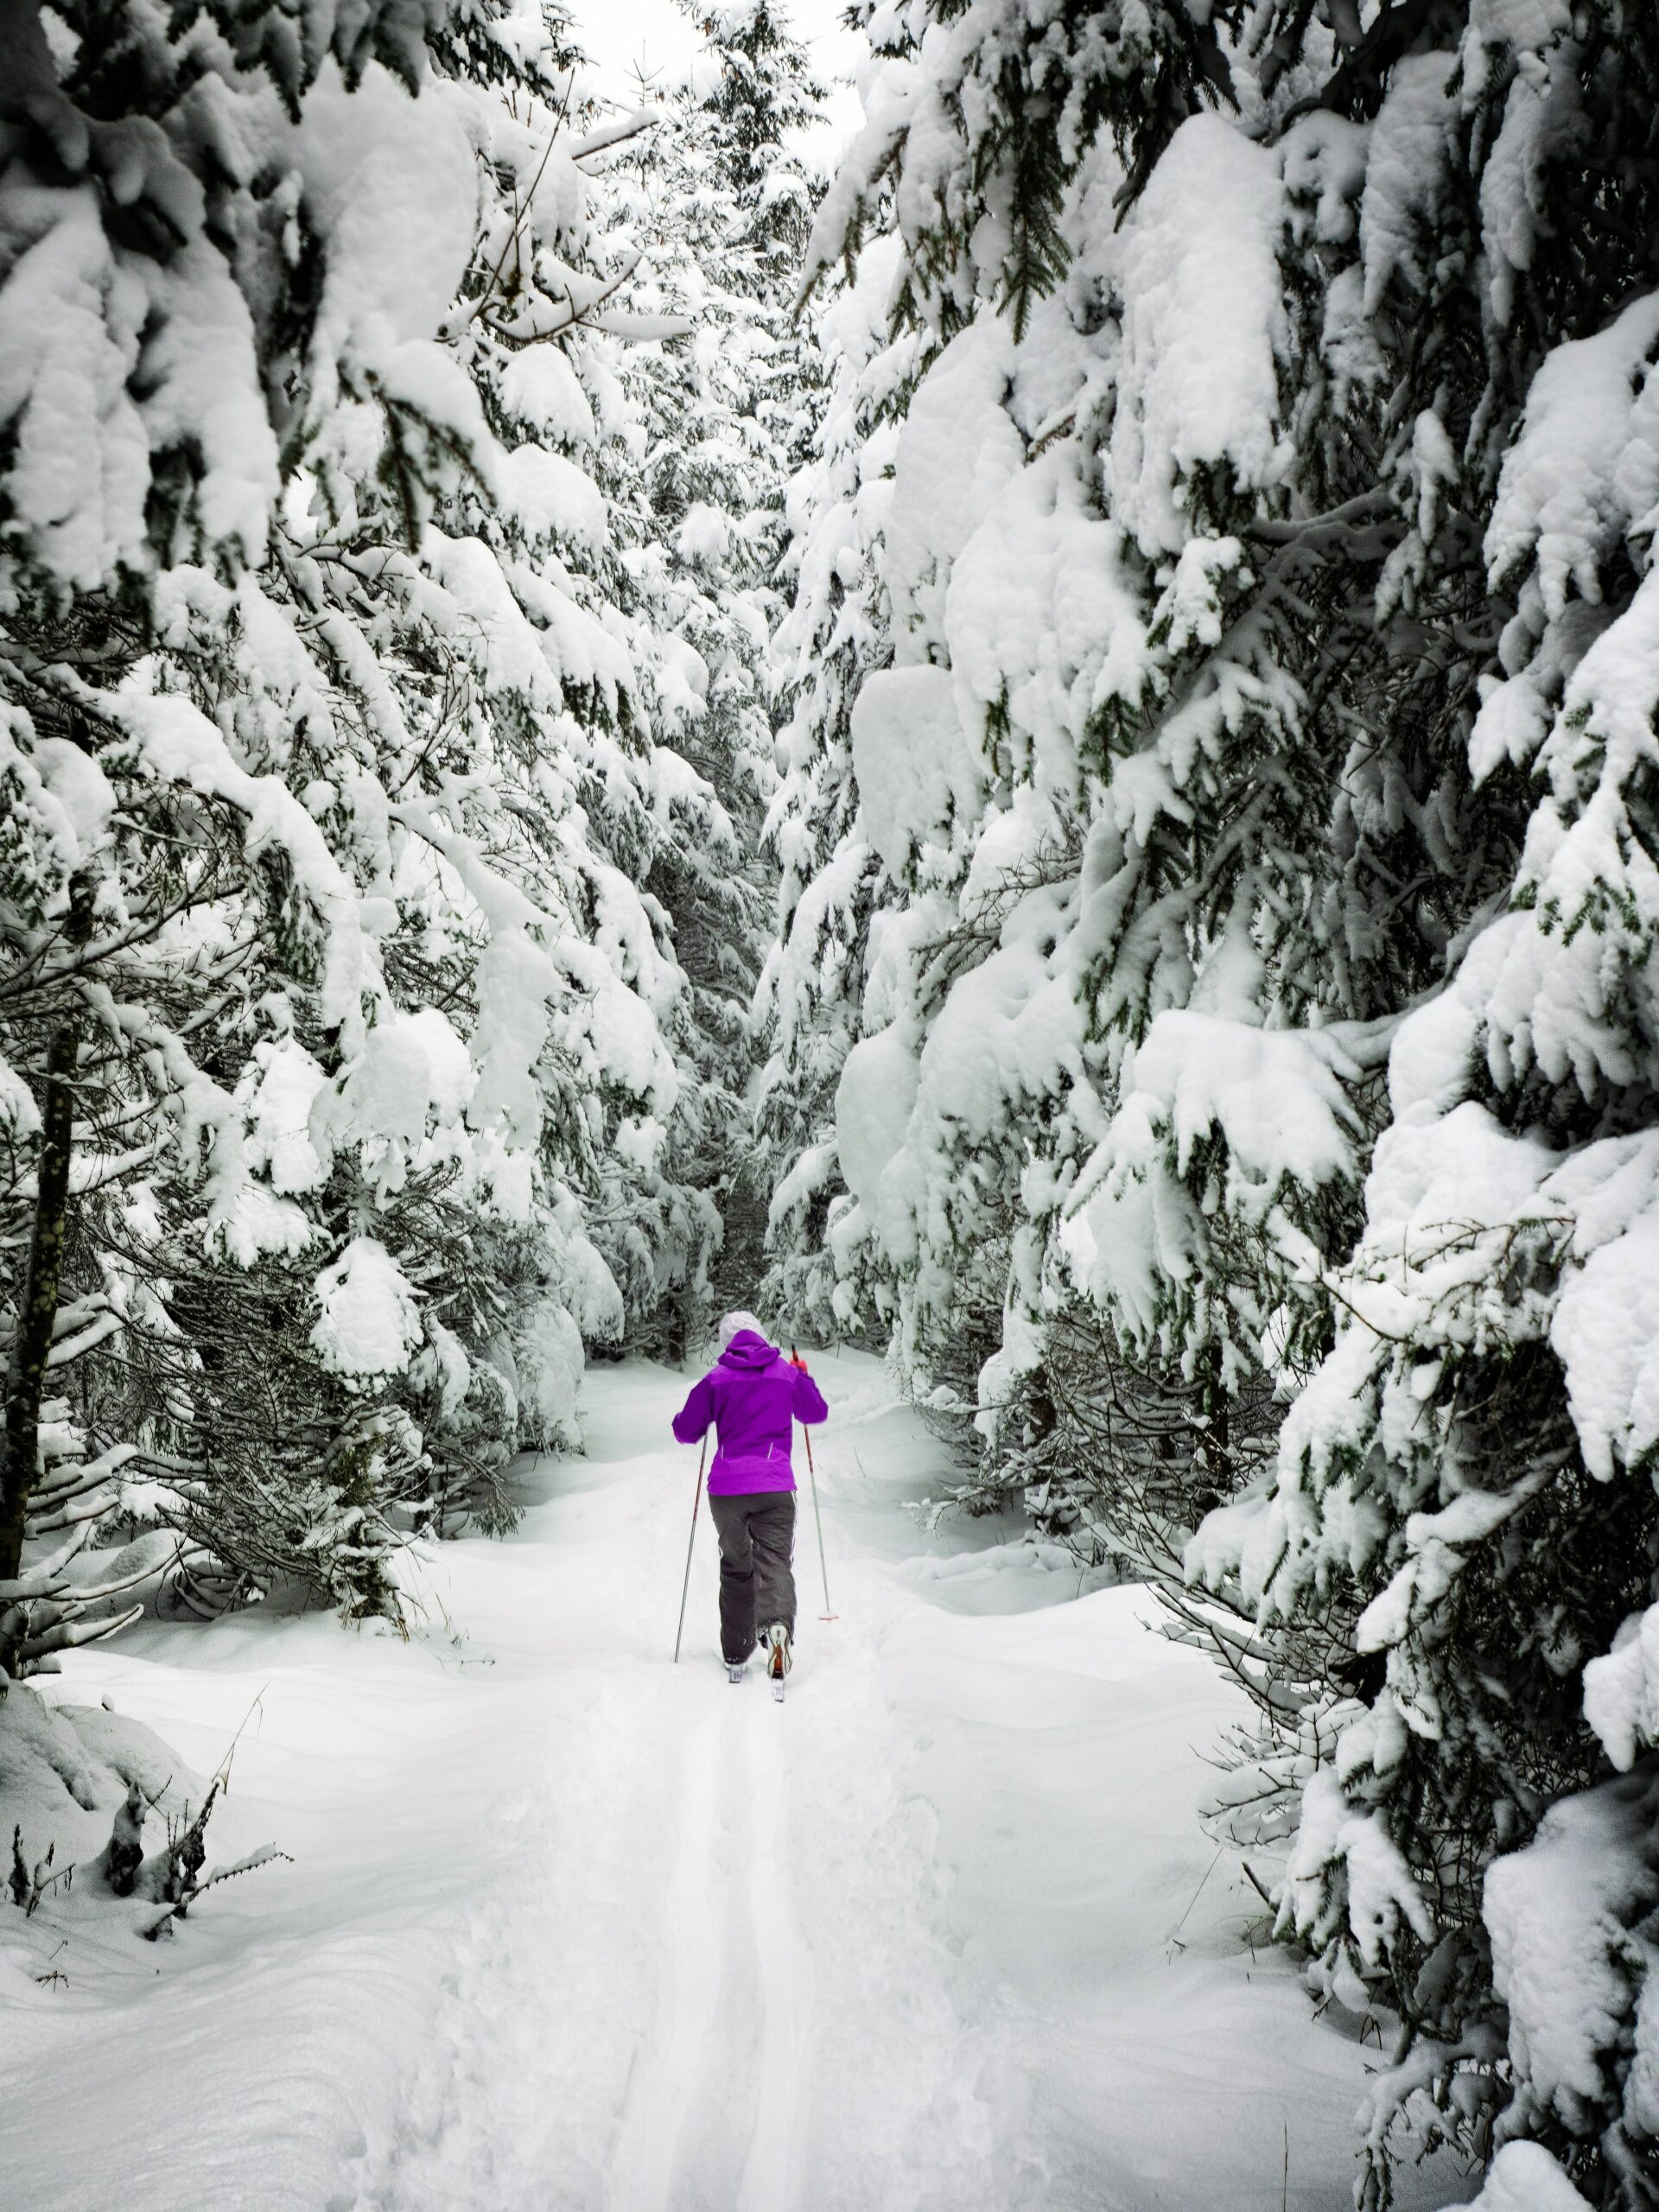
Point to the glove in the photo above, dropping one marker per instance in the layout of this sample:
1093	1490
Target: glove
795	1360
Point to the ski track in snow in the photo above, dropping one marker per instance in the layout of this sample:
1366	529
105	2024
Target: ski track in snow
663	2084
571	1929
736	1985
770	2172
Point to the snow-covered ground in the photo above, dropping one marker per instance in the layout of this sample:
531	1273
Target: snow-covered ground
568	1927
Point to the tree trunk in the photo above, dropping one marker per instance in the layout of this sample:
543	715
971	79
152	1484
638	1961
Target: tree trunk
1216	1449
37	1310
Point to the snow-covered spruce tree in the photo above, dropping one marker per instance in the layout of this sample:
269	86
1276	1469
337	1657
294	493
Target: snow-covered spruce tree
490	741
1101	669
808	1001
159	329
1472	1463
758	97
721	205
1219	678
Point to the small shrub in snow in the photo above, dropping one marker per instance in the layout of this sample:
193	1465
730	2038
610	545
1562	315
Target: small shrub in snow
77	1784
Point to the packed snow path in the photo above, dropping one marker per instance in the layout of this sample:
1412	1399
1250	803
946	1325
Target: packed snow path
568	1927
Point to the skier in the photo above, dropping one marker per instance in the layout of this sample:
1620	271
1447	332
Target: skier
753	1394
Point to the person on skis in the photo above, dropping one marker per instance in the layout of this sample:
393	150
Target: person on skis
753	1395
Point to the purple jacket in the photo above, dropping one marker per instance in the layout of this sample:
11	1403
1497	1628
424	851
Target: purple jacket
753	1395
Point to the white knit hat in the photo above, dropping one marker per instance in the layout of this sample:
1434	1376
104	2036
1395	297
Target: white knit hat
733	1323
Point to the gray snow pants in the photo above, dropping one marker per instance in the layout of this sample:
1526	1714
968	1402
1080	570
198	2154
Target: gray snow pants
756	1536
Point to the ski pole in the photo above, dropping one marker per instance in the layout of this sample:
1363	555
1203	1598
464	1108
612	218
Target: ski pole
806	1439
826	1615
685	1587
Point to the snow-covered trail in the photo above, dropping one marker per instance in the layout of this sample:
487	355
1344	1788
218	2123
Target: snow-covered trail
569	1927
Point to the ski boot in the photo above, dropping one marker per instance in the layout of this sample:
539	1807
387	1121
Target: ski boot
735	1673
779	1660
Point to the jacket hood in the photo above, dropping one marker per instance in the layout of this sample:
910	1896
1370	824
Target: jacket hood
747	1351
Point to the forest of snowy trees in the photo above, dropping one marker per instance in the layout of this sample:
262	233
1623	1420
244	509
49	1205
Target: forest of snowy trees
393	456
1041	754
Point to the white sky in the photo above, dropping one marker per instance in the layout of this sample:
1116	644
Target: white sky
655	34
